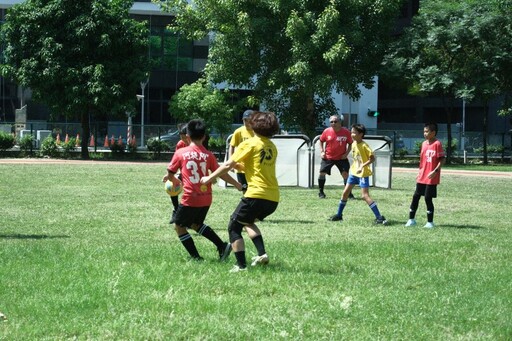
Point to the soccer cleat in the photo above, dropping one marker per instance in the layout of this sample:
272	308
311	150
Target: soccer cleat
381	220
237	268
429	225
336	218
410	222
321	195
224	252
260	260
351	196
197	259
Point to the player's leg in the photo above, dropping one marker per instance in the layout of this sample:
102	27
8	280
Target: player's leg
206	231
187	242
325	169
430	193
413	208
364	183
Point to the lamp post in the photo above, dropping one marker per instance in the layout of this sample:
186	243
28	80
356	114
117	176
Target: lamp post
141	97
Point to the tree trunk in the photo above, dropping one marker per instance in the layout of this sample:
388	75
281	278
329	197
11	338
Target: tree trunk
86	132
484	130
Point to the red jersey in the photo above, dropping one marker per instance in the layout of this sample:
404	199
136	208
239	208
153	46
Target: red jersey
430	156
180	144
194	162
335	142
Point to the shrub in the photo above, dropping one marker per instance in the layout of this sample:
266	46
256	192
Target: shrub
491	148
7	141
26	143
158	146
68	147
48	147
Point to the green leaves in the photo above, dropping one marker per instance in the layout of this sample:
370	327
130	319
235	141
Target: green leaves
291	53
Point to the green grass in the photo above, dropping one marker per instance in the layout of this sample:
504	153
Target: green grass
86	252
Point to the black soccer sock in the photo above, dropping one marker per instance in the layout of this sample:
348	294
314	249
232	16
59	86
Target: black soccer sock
174	200
414	205
190	246
260	246
207	232
430	209
240	259
321	184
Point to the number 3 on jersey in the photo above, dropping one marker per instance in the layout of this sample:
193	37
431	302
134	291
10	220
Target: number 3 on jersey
193	167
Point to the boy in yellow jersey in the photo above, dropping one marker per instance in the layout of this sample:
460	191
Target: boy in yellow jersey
241	134
360	171
258	156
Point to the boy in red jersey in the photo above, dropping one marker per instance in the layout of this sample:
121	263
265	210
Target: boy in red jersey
195	162
335	143
432	158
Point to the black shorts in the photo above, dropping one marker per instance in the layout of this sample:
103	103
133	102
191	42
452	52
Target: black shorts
187	216
426	190
326	165
250	210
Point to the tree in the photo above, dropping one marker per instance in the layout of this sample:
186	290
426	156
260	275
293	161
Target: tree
201	100
456	49
81	58
292	53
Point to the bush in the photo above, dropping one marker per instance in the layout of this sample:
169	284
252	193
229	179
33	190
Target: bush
491	148
158	146
48	147
68	147
7	141
26	143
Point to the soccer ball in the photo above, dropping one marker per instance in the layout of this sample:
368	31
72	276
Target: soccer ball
171	189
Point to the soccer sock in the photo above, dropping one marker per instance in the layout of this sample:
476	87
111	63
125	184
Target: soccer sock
240	259
188	243
341	207
375	209
321	183
174	200
414	206
260	246
207	232
430	209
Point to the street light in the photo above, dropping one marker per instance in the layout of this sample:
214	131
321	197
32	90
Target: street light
141	97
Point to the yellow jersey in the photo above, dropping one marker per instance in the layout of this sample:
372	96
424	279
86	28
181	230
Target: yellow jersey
361	153
259	155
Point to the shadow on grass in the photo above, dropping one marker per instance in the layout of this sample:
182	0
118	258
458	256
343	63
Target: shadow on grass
30	236
289	221
473	227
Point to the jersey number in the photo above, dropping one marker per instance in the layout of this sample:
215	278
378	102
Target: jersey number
193	166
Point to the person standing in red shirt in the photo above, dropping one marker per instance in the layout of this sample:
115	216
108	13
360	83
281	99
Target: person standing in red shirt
335	143
195	162
432	158
183	142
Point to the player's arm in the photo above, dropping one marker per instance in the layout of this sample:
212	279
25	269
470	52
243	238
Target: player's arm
231	181
223	169
347	151
438	167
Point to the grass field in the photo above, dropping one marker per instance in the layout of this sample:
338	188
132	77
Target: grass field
87	253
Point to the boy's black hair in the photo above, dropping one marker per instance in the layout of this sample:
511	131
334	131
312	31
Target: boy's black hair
431	127
196	129
183	129
360	128
264	123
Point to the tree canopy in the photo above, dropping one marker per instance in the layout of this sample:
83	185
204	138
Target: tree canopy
292	53
81	58
456	49
202	100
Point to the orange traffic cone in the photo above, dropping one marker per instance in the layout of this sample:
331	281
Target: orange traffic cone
66	140
58	139
134	141
105	144
112	141
120	140
77	141
91	141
